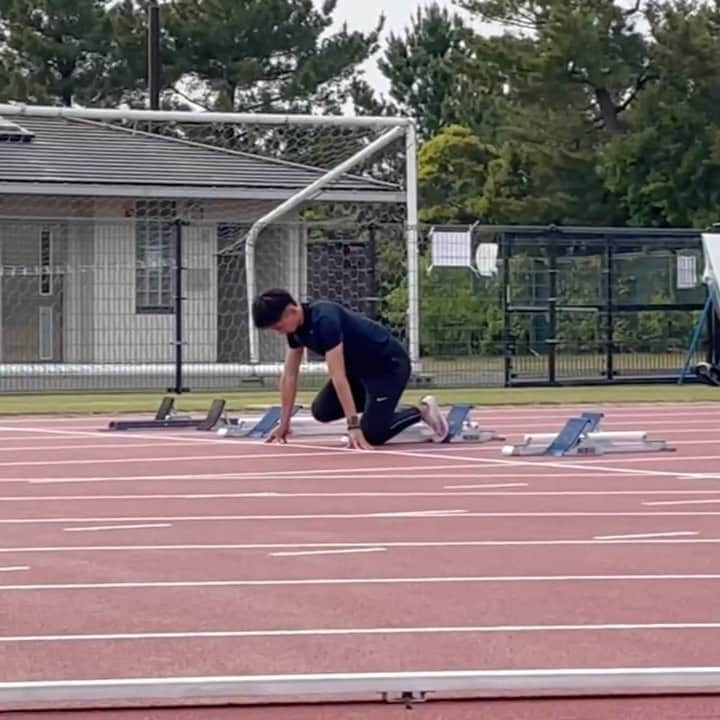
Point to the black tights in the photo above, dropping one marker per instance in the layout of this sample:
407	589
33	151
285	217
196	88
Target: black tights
377	399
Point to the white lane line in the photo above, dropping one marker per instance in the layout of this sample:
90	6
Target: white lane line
100	528
415	514
311	450
166	439
483	461
334	473
400	472
422	580
667	458
35	449
393	544
641	536
355	631
484	485
129	459
421	513
14	568
339	551
95	434
699	476
705	501
279	495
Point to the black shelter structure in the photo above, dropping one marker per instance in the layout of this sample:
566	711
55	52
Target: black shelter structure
589	305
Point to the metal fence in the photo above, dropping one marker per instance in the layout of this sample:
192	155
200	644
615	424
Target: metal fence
153	303
585	305
513	306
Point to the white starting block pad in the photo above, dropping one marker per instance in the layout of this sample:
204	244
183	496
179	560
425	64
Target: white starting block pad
580	436
462	429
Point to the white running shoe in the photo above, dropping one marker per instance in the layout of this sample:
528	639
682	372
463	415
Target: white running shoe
433	417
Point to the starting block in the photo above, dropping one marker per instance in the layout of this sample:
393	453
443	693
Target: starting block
168	417
255	428
461	428
580	436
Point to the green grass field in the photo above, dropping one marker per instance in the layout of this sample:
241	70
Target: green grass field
565	363
108	403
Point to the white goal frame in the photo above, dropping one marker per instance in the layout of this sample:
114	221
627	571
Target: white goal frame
393	128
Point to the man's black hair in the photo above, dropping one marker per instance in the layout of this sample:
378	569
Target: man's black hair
269	306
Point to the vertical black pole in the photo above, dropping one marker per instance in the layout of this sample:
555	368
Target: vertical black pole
710	329
179	300
552	340
713	349
372	307
153	55
609	317
712	322
506	253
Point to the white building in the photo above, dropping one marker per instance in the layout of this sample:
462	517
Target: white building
87	243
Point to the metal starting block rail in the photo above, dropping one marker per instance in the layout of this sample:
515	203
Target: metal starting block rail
409	686
581	436
462	429
168	417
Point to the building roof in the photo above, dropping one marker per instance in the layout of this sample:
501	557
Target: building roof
73	156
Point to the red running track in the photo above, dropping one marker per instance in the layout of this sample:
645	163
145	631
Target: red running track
180	553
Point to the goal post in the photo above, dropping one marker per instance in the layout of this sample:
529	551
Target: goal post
308	193
325	205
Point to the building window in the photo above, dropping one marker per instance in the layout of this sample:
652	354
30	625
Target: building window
45	263
155	256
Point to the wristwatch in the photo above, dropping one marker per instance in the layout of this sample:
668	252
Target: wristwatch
353	422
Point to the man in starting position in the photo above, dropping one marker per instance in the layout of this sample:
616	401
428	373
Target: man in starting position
368	369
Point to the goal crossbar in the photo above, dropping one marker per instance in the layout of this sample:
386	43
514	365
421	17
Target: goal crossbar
391	129
199	116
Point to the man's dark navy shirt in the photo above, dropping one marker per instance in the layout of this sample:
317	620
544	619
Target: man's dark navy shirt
368	347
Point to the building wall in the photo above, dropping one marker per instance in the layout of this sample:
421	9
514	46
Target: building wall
95	265
80	292
71	225
122	334
31	294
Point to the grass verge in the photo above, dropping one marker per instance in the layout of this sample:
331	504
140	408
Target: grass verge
111	403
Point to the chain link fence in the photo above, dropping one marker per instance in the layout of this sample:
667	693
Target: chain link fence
153	302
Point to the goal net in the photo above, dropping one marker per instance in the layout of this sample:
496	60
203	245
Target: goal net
134	241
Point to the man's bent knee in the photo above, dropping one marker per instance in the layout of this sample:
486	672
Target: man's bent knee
374	434
320	413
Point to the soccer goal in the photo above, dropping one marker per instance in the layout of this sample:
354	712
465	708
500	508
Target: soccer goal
159	227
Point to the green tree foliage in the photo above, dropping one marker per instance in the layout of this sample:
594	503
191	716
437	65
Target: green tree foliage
584	54
452	169
666	168
56	51
265	55
219	54
548	94
421	67
575	115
